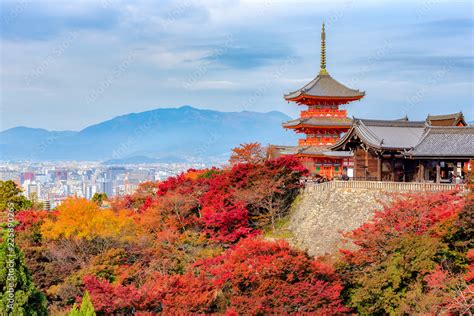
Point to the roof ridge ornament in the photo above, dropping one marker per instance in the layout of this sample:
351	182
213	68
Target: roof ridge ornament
323	70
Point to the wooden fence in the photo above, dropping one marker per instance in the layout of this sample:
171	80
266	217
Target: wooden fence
382	186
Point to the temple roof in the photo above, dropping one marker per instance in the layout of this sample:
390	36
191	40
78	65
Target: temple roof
319	121
446	119
384	134
411	138
453	141
324	86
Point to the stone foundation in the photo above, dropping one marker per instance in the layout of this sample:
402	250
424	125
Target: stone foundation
320	216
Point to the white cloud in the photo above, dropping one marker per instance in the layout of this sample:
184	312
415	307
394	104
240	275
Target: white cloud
164	58
214	85
175	41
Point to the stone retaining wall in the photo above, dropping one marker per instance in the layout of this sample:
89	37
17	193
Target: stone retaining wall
320	216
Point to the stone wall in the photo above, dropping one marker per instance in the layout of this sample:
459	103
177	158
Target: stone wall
320	216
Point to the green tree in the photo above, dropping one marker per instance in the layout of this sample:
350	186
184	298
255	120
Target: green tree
99	198
87	309
18	293
395	285
11	193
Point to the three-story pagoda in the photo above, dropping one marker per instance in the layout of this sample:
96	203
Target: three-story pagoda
323	121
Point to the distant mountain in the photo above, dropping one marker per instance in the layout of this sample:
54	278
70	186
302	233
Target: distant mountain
143	160
131	160
167	135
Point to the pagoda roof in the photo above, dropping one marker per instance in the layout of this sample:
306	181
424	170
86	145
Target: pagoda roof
324	87
312	150
319	121
321	151
446	119
286	150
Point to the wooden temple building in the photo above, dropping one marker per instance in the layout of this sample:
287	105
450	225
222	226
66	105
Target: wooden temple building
438	149
322	122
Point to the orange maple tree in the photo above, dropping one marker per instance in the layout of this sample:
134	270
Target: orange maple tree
252	153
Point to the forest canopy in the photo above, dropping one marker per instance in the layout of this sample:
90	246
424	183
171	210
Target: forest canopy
195	243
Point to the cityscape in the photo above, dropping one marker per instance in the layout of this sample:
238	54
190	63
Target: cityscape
52	182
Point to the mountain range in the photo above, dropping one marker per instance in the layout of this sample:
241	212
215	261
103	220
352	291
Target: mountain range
171	134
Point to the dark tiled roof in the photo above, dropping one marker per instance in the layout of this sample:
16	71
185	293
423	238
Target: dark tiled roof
325	86
311	150
286	150
390	123
446	119
384	134
319	121
445	142
414	139
444	116
323	151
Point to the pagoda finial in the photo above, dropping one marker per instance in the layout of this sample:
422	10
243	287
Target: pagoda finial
323	70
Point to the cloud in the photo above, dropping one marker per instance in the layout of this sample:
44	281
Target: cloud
463	63
252	57
211	85
447	27
163	58
35	20
224	55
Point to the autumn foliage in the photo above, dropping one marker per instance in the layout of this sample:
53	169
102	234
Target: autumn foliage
411	258
251	153
195	244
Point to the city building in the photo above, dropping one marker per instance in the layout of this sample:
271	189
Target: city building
90	191
106	186
113	172
33	191
27	176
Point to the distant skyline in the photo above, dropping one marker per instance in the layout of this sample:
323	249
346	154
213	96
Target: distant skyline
66	65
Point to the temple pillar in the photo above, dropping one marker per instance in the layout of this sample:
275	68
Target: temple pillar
392	166
422	172
438	172
366	174
379	168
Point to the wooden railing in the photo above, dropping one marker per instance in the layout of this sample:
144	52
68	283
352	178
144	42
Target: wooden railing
382	186
323	113
316	142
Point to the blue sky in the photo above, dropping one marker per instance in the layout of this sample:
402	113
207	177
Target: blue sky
69	64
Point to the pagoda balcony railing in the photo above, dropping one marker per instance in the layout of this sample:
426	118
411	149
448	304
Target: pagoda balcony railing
323	113
323	141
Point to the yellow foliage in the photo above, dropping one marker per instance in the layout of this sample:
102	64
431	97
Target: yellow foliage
79	218
194	174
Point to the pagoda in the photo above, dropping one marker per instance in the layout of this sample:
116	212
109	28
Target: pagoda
323	121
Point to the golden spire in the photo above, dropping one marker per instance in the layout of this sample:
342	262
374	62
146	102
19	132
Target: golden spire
323	53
